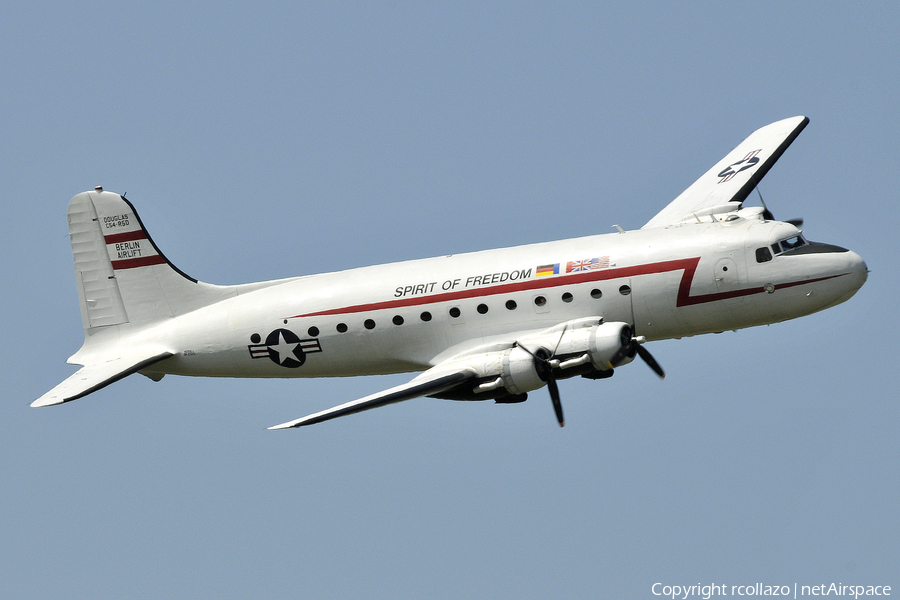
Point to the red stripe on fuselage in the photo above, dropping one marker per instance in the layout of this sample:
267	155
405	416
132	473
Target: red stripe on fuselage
688	264
684	298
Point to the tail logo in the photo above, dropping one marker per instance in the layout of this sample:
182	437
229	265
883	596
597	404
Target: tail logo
283	347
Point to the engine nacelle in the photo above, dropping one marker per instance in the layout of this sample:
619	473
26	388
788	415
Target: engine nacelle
589	344
578	347
520	372
587	341
510	372
600	342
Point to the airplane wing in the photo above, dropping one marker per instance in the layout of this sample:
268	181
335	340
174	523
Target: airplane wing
94	376
732	179
432	381
517	363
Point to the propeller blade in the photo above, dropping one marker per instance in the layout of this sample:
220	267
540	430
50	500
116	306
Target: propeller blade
557	405
651	362
768	216
544	369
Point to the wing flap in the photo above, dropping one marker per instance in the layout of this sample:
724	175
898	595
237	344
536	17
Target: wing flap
732	179
431	382
93	377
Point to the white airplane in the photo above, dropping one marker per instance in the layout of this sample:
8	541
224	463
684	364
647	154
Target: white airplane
495	324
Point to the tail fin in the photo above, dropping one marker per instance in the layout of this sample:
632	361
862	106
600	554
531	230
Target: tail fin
122	276
123	281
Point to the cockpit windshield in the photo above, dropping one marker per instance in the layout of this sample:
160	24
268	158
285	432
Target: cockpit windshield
790	243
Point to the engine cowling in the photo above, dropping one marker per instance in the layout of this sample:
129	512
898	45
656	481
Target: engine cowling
600	342
520	372
528	365
578	347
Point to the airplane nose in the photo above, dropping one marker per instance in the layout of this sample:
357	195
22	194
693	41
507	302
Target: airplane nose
851	273
859	272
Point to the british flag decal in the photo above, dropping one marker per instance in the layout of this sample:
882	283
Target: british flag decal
588	264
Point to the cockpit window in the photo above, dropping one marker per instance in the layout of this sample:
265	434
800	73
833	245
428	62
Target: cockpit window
790	243
763	255
793	242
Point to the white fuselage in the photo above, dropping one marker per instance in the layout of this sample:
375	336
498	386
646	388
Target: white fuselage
496	324
671	282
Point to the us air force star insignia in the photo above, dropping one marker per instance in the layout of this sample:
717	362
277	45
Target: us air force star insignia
745	163
284	348
286	351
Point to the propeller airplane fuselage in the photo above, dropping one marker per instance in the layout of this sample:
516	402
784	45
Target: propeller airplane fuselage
494	324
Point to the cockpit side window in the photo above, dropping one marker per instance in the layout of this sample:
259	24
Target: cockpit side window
763	255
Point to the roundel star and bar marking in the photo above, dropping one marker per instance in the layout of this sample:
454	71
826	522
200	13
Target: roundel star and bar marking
284	348
745	163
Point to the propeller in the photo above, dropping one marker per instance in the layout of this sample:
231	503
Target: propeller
544	366
768	216
554	397
631	345
544	363
545	371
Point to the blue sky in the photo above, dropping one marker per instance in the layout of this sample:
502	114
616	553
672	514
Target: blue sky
261	140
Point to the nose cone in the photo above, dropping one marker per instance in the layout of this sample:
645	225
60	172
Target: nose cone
857	273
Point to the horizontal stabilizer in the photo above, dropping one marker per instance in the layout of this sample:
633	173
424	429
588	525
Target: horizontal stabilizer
95	376
422	385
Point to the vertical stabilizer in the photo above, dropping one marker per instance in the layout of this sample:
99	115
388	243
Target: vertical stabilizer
122	276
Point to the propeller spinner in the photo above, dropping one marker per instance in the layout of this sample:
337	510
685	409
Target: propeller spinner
631	345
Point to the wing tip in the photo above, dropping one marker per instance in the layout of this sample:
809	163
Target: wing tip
45	401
